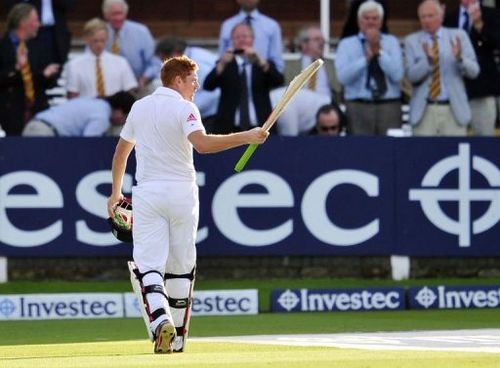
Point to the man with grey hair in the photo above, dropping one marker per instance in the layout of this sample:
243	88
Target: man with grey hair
369	66
25	74
132	40
437	60
311	43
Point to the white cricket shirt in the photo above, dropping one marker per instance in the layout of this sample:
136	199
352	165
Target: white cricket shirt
159	124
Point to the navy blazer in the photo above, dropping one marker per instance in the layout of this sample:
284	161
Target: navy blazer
262	83
12	99
486	43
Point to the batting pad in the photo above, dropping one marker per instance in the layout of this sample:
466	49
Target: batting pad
180	295
137	287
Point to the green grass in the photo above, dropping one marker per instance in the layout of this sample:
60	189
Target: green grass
135	354
70	331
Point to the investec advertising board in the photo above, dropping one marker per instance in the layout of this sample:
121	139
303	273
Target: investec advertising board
377	299
297	196
337	300
119	305
454	297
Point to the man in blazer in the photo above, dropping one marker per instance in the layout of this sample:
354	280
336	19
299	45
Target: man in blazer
437	60
245	79
53	34
20	56
311	42
482	24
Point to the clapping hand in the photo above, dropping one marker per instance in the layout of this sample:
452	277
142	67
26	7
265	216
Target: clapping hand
428	52
456	47
51	69
372	42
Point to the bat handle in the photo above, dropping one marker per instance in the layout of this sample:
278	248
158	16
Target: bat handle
240	165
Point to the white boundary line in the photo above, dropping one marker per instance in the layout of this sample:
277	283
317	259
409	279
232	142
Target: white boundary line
471	341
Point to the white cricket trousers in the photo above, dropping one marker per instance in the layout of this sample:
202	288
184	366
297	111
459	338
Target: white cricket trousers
165	223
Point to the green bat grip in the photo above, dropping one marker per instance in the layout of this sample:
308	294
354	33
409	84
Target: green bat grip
240	165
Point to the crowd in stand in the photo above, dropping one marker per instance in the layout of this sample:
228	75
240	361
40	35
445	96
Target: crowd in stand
448	72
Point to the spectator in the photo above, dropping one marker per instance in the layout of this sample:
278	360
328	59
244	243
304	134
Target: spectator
299	116
351	27
482	24
53	34
81	117
369	66
311	43
24	74
437	60
328	121
133	41
268	42
206	101
98	72
245	79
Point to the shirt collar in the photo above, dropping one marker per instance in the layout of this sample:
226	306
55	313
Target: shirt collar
94	56
439	33
240	60
166	91
13	37
254	14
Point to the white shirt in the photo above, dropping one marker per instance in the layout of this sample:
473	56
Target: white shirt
322	82
81	74
251	106
299	117
461	19
159	125
47	16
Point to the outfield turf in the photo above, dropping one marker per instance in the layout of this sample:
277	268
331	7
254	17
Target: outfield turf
136	354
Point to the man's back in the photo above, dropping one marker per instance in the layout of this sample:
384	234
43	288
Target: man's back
159	125
78	117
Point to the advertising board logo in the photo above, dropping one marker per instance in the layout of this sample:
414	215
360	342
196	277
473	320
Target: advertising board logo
7	307
426	297
430	195
288	300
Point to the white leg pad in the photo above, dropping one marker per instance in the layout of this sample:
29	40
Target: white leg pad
180	293
136	286
152	297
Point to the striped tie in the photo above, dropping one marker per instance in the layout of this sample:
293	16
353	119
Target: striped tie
27	76
435	88
99	79
311	84
115	46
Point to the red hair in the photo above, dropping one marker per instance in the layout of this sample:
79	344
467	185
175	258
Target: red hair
176	66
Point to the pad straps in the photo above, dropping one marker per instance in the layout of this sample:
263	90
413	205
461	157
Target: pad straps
190	276
155	288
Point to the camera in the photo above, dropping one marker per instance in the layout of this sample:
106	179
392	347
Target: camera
238	51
